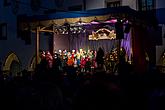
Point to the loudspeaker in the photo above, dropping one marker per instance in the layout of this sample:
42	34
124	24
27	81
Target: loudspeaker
119	30
127	28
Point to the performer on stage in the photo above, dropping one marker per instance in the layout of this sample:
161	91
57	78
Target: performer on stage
82	63
78	58
73	54
57	62
87	64
70	61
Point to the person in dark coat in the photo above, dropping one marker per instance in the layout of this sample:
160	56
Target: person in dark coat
100	57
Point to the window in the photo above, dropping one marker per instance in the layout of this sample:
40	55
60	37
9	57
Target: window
145	5
113	4
75	8
3	31
6	2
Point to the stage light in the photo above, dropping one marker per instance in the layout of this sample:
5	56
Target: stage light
79	31
67	32
95	21
74	32
71	29
111	20
84	31
80	22
63	32
67	28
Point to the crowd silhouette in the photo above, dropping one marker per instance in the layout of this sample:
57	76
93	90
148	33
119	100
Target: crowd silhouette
56	89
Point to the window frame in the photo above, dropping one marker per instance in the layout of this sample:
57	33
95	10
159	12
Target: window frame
115	3
3	31
6	3
143	5
75	8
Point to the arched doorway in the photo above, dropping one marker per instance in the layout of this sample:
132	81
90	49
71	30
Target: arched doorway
12	65
162	59
162	62
15	68
32	64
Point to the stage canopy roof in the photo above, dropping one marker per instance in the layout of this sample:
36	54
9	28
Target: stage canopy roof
72	17
95	12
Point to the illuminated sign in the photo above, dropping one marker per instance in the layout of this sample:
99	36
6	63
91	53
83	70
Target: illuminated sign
103	33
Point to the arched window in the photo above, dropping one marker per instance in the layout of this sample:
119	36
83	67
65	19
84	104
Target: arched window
12	64
32	64
163	58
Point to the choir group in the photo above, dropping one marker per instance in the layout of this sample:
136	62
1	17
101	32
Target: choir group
83	60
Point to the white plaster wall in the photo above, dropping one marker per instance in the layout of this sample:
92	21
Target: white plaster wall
69	3
94	4
90	4
131	3
160	4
